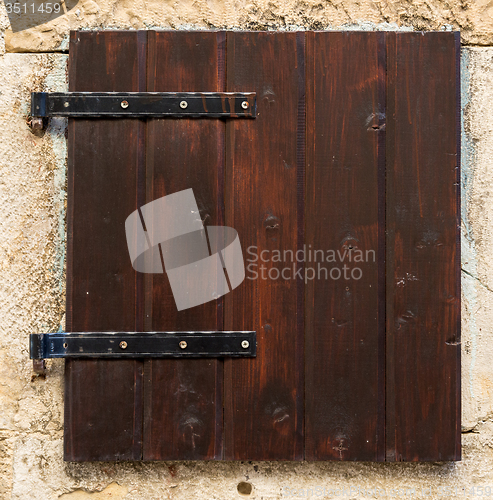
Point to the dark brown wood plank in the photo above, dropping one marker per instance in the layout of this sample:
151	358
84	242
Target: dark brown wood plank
103	398
344	318
183	398
264	396
423	297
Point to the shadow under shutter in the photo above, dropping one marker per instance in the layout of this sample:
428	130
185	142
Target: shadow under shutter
354	148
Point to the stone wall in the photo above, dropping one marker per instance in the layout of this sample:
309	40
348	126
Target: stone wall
32	256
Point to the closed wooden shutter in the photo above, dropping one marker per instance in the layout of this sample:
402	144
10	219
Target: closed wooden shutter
354	151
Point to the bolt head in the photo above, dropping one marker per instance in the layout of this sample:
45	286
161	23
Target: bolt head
245	104
123	344
183	104
245	344
183	344
124	104
36	123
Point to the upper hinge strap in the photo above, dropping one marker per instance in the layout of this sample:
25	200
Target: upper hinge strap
144	104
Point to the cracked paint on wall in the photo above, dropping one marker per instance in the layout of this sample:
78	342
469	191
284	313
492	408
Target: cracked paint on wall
474	18
468	251
476	239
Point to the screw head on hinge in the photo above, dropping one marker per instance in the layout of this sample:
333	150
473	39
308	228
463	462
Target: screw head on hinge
123	344
245	344
245	104
124	104
183	104
183	344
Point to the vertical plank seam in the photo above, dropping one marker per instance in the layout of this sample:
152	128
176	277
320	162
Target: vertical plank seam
381	173
309	111
229	219
390	454
220	382
300	295
142	47
148	278
141	170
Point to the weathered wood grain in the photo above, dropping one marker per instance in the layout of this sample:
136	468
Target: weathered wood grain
264	396
355	148
183	398
344	320
103	398
423	291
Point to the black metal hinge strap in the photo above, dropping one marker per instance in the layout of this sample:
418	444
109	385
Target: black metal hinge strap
144	104
143	345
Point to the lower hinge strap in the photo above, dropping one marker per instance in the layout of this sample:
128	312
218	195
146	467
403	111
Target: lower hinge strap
203	344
